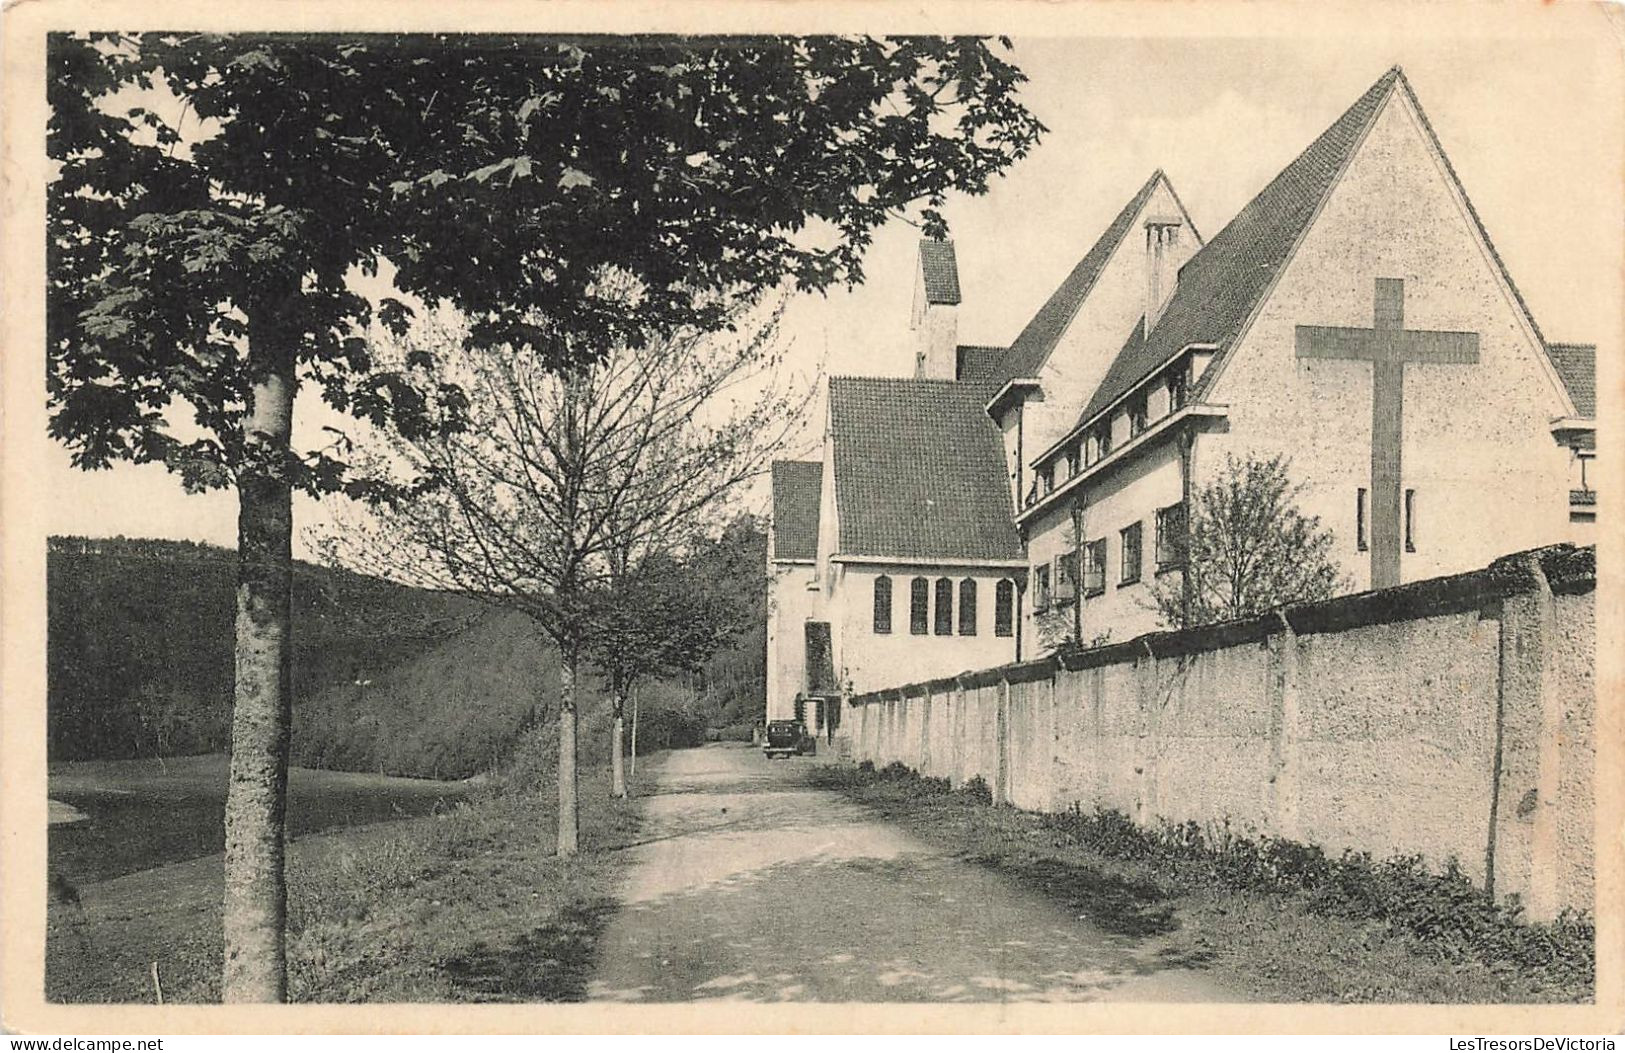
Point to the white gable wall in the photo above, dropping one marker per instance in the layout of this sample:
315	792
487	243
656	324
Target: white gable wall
1097	332
790	604
1477	448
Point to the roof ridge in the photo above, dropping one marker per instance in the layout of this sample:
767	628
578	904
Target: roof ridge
1037	340
900	380
1224	281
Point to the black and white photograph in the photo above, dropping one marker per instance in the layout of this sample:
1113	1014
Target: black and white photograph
1077	518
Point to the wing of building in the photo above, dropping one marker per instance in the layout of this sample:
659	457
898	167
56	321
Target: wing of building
1354	318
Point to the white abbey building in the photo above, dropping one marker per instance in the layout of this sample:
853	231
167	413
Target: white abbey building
1354	316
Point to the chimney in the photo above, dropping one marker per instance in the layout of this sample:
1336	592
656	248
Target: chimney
936	312
1161	271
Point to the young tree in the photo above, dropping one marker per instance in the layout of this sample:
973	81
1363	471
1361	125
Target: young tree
216	195
568	488
663	614
1248	548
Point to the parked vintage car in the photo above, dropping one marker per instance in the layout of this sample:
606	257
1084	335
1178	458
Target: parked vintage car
784	738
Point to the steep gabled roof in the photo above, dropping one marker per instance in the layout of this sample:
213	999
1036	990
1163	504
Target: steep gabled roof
1031	349
919	471
1577	366
1220	285
940	270
797	493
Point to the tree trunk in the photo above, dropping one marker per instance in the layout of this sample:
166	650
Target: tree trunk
256	896
569	808
634	730
617	757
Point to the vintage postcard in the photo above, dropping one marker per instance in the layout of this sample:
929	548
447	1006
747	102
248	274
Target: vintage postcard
594	517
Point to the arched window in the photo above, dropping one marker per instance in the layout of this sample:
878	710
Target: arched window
1004	608
967	607
945	607
883	604
919	598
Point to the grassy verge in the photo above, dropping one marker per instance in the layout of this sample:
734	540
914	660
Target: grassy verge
1281	920
468	905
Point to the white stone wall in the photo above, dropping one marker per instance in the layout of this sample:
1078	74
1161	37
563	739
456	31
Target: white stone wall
1488	476
1465	731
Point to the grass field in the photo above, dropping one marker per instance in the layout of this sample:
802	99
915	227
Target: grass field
464	905
146	813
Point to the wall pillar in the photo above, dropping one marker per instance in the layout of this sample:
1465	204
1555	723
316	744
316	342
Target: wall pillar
1145	740
929	701
1282	687
1001	745
1521	856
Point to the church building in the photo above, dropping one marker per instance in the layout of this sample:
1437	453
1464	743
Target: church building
1354	317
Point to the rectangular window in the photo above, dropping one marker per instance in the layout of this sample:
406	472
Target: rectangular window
967	607
1171	537
1041	587
1410	520
1073	460
1094	567
1359	519
1048	477
1103	437
1136	415
945	607
919	598
1066	577
1131	555
1176	390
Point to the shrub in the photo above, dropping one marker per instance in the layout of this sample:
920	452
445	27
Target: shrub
977	790
1445	909
731	733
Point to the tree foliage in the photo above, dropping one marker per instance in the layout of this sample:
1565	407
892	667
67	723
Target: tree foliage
1248	548
202	177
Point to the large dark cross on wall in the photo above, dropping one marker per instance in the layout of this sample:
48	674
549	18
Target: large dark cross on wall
1388	345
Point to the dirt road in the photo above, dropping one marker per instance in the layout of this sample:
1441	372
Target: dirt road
752	885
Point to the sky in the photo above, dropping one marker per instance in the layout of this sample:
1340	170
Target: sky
1529	124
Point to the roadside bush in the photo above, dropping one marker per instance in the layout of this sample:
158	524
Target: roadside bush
978	790
731	733
1445	909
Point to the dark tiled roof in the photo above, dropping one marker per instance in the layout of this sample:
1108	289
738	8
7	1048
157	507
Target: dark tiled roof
977	363
797	488
1582	497
1032	347
919	471
941	271
1577	365
1220	285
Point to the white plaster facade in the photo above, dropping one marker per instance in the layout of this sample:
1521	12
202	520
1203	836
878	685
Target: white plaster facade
1488	476
793	599
866	660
